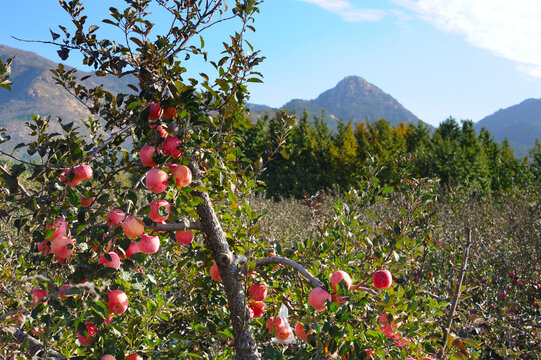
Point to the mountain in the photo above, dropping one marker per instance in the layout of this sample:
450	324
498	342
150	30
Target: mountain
354	99
34	92
520	124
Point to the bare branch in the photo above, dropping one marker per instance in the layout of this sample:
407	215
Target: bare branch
35	347
106	142
177	227
19	186
454	304
269	260
434	296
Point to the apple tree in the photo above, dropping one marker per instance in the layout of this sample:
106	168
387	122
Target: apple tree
134	235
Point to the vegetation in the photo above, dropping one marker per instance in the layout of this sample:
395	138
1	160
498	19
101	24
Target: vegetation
166	251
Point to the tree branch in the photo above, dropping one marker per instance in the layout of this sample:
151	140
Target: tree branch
269	260
177	227
454	304
35	347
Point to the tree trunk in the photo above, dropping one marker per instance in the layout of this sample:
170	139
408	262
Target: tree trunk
229	268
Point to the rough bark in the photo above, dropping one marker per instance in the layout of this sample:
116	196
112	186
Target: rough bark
230	271
35	347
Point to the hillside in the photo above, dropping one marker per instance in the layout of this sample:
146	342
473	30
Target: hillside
520	124
35	92
354	99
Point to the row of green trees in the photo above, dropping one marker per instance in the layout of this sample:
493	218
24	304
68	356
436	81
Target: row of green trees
315	157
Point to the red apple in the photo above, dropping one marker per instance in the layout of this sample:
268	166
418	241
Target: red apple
133	227
284	334
60	227
258	292
113	263
183	175
258	308
275	325
382	279
108	357
388	329
118	302
86	202
92	330
170	146
155	208
37	295
108	320
301	334
214	273
132	249
170	112
43	246
62	247
184	237
338	276
83	172
155	112
149	244
133	356
146	155
115	217
66	175
156	180
161	130
317	298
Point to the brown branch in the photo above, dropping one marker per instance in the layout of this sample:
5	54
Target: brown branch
109	140
454	304
177	227
269	260
35	347
19	186
434	296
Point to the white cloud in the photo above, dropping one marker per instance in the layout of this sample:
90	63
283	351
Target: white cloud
348	11
510	29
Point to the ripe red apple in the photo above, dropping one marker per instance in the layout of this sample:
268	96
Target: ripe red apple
66	175
133	356
43	246
161	130
62	292
60	227
156	180
115	217
170	146
118	302
62	247
183	175
86	202
388	329
317	298
275	325
301	334
170	112
133	227
149	244
214	273
92	330
108	357
37	295
108	320
258	292
184	237
146	155
155	112
338	276
382	279
132	249
113	263
428	358
258	308
155	208
284	334
83	172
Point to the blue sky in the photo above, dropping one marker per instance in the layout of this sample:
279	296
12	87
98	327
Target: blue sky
439	58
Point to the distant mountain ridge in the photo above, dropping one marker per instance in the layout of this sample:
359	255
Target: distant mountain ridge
353	98
520	124
35	92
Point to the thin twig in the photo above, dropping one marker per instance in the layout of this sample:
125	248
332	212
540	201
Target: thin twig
454	304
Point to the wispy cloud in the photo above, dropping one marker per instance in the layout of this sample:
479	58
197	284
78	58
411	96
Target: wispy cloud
348	11
510	29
